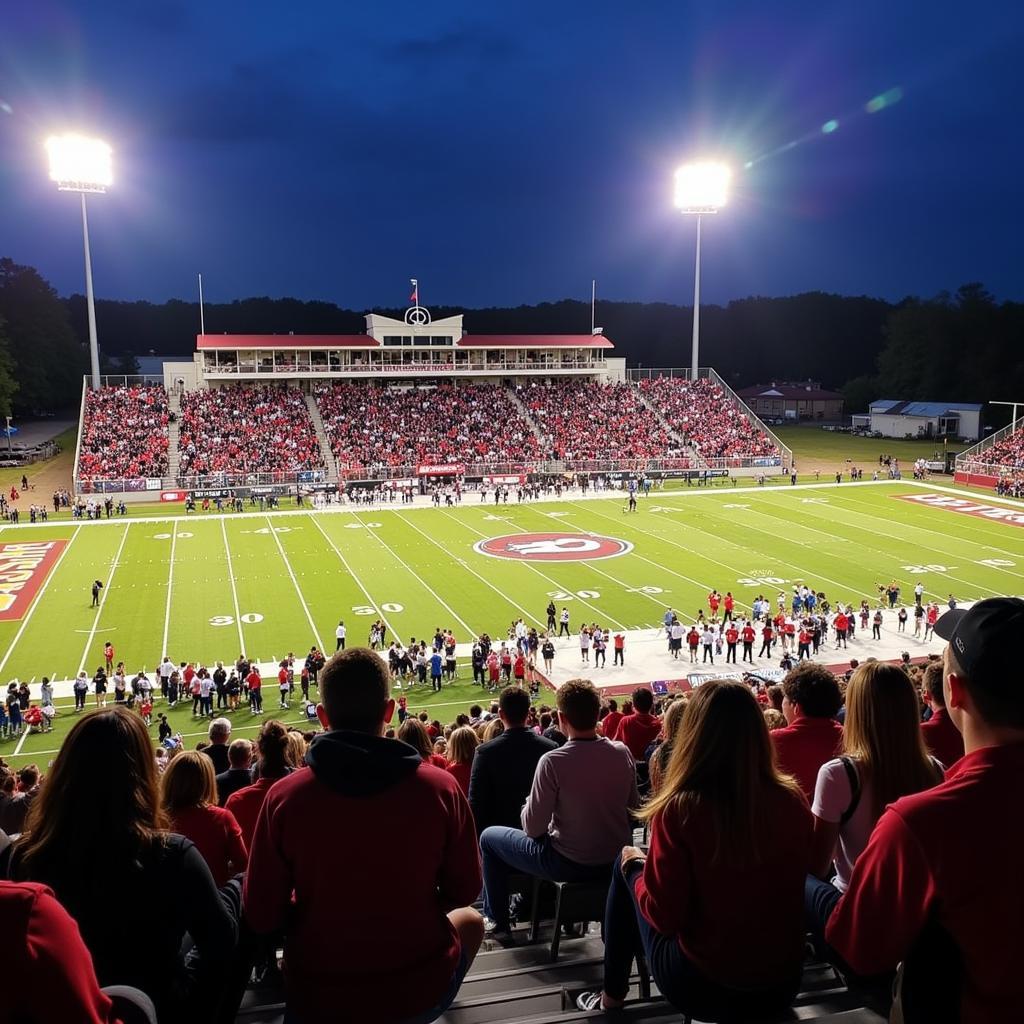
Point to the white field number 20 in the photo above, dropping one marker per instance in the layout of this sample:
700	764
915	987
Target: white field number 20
365	609
561	595
916	570
249	618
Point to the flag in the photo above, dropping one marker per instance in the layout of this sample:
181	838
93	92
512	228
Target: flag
415	297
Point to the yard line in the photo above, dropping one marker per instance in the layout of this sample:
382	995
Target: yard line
298	589
348	568
555	583
234	590
469	568
103	599
38	599
437	597
170	584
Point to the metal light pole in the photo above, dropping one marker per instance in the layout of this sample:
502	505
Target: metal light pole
82	165
700	188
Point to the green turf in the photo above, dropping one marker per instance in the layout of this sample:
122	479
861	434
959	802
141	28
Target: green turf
813	443
278	583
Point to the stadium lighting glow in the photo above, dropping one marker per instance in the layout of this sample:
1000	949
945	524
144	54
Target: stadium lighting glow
79	164
702	187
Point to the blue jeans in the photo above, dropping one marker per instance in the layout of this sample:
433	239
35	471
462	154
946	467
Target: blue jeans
820	899
628	934
508	850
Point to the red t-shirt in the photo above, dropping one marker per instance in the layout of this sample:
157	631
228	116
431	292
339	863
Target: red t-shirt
49	966
737	930
188	675
842	623
805	637
620	642
217	836
732	635
610	723
948	855
693	638
803	747
462	773
942	737
253	680
729	603
245	804
767	632
748	634
638	731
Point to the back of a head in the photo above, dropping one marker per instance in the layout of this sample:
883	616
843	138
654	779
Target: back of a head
295	753
355	687
188	781
882	730
240	753
814	689
673	720
462	744
74	820
933	684
643	699
414	732
579	703
721	757
514	704
220	730
272	745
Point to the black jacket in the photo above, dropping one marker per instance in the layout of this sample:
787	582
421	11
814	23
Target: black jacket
502	777
231	781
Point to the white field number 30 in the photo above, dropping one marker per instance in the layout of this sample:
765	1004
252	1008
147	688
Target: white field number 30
229	620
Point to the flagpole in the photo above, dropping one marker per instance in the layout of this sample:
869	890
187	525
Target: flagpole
593	304
202	322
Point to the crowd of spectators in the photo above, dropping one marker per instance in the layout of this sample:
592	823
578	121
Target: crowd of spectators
585	419
701	413
369	424
124	432
1007	453
246	428
876	813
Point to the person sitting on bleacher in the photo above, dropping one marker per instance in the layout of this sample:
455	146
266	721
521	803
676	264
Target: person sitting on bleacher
578	814
938	885
716	907
331	839
98	838
503	768
639	729
50	969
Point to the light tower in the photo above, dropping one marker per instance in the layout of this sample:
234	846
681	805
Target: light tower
82	165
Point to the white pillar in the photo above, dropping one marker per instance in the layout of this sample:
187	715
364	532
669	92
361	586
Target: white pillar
94	351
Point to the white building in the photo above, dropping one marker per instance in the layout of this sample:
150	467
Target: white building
892	418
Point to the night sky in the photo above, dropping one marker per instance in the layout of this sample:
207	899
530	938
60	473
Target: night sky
508	153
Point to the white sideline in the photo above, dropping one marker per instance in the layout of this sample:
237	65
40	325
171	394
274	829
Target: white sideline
170	584
298	589
234	589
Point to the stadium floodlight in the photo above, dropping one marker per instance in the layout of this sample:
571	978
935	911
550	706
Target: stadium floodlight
83	165
701	187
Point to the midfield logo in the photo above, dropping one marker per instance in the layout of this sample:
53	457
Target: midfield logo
552	547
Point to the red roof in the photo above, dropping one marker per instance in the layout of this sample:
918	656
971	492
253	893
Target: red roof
534	341
790	391
208	341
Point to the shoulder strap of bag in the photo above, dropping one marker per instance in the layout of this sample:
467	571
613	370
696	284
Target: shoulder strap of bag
855	790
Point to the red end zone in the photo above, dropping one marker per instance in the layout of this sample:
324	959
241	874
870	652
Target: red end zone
23	568
967	507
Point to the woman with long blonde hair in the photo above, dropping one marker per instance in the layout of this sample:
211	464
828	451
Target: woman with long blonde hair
715	906
884	757
462	746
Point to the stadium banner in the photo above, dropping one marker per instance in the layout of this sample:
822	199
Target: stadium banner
440	469
154	483
23	569
506	478
173	495
215	492
999	513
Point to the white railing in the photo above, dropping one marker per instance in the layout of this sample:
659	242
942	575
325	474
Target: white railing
973	459
81	432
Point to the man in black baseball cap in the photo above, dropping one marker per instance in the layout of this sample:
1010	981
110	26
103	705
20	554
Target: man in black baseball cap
941	871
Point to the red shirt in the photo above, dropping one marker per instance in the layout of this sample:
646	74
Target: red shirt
767	632
49	968
737	930
188	675
638	731
729	602
805	637
803	747
253	680
610	723
732	635
282	677
461	772
942	737
842	623
305	848
245	804
693	638
748	634
951	855
217	836
619	641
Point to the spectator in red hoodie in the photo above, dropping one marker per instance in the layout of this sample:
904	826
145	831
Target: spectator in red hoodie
245	804
721	943
810	702
350	952
640	729
939	886
941	736
610	722
51	969
188	789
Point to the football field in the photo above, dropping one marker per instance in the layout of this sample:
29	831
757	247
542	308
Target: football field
206	586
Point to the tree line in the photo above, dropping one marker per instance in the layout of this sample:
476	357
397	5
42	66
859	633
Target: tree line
962	346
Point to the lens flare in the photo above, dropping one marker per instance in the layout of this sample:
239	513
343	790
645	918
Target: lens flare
885	99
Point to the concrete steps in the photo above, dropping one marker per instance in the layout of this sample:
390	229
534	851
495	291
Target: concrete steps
330	463
173	432
690	452
525	413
